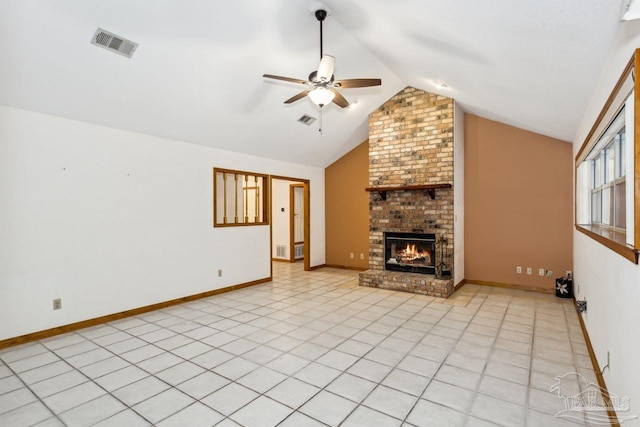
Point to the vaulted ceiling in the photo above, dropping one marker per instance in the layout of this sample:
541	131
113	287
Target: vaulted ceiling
197	73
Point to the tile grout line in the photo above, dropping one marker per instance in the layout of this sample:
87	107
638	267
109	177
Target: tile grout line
54	415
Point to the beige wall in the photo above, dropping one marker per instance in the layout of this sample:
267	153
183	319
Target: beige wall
347	209
518	204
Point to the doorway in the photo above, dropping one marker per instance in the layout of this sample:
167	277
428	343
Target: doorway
296	222
290	220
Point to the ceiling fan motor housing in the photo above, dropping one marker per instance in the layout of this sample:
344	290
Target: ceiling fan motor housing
313	77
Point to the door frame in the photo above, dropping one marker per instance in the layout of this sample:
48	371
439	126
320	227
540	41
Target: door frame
307	217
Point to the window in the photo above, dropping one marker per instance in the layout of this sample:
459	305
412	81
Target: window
607	170
608	180
239	198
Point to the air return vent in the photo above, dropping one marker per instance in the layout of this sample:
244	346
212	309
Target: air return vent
114	43
307	120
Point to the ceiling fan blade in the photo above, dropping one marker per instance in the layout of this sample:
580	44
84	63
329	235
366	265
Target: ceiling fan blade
297	97
286	79
350	83
339	100
325	69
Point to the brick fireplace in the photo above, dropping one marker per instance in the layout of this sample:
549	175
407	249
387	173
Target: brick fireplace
411	152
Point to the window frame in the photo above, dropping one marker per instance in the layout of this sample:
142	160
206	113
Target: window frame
615	238
603	179
261	200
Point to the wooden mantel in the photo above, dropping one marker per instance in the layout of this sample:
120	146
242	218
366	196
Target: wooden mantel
429	188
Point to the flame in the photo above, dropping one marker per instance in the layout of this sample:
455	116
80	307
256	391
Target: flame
412	254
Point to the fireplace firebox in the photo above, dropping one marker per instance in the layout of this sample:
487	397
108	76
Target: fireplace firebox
410	252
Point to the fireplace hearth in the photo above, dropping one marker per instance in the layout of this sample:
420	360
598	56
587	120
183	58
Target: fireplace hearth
410	252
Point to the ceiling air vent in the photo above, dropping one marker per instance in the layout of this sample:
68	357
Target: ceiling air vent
114	43
307	120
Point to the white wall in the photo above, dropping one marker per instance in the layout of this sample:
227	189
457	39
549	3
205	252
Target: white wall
609	282
280	220
110	220
458	193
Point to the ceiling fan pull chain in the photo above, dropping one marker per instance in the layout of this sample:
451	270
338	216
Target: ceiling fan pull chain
320	122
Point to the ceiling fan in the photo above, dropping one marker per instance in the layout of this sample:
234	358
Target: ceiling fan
322	85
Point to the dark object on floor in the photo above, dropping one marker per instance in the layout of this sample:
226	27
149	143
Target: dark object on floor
564	287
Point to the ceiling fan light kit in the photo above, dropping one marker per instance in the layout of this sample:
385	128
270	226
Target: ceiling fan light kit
321	96
322	84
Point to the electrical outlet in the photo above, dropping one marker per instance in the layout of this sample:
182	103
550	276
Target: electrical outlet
351	255
529	271
361	256
549	273
219	273
57	303
519	270
567	273
541	272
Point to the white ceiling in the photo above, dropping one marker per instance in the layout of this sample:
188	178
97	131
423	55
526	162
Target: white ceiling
197	74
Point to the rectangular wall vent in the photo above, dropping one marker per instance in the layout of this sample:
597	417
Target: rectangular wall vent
281	251
299	251
307	120
114	43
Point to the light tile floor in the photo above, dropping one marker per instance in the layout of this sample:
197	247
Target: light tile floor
308	349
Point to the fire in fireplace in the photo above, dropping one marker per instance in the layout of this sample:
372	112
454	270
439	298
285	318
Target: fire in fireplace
410	252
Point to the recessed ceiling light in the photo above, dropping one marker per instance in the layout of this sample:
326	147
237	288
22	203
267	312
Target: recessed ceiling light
439	84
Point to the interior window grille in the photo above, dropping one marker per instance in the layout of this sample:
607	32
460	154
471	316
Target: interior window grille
239	198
